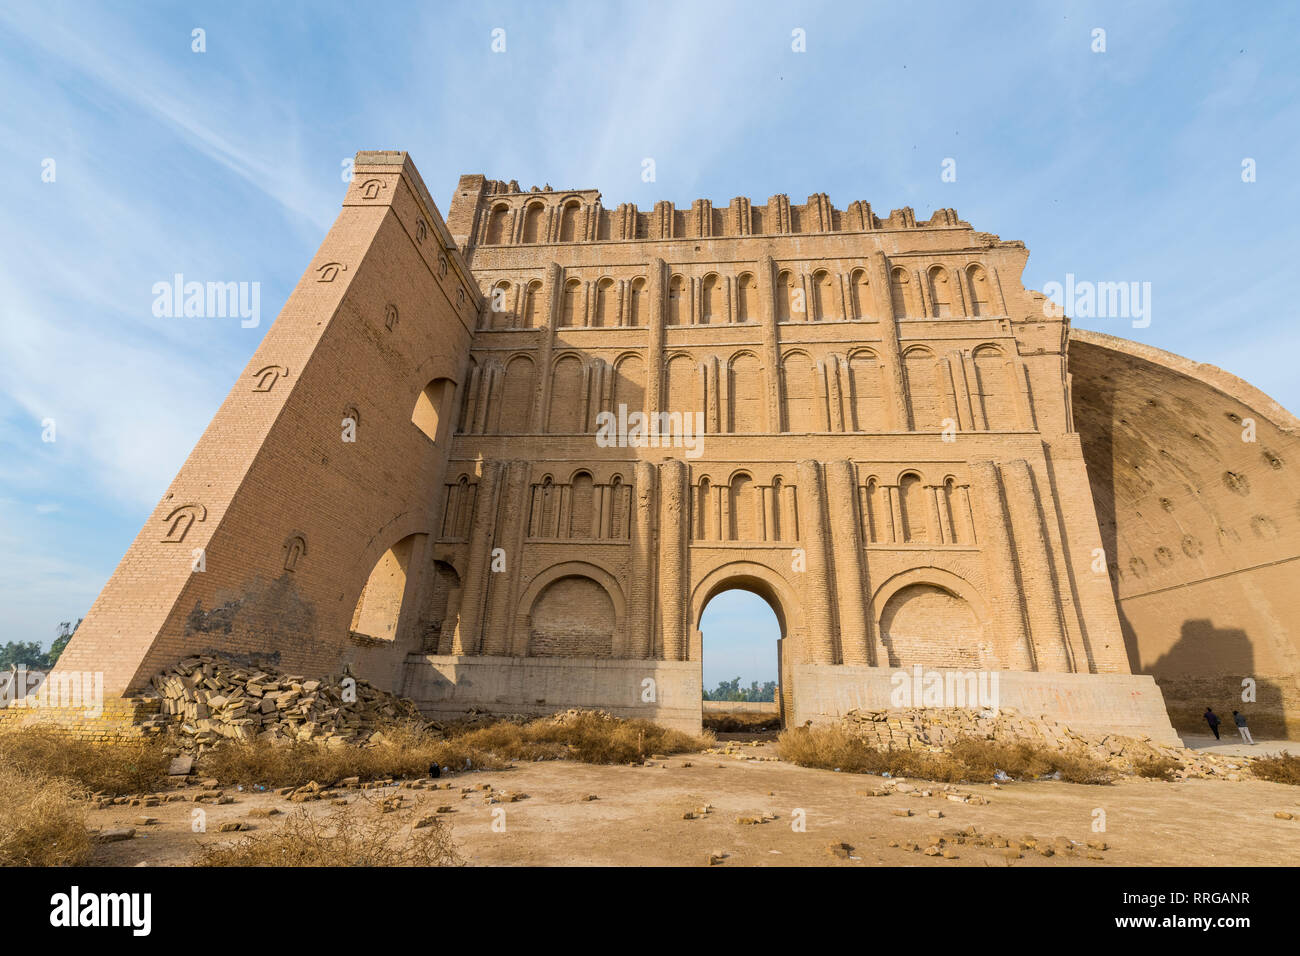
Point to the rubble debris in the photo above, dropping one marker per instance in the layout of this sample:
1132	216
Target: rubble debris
210	698
936	728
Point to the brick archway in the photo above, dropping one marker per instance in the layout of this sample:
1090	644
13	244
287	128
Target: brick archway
935	576
756	578
776	591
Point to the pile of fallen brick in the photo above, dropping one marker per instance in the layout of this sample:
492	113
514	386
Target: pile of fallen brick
936	728
208	699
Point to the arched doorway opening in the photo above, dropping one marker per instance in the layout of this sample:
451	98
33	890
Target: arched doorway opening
738	633
377	615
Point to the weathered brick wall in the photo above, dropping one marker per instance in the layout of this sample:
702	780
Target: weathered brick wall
886	452
287	516
899	355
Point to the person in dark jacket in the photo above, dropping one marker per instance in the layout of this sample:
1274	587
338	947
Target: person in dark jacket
1212	719
1240	721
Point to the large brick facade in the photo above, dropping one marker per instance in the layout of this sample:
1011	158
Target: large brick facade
887	454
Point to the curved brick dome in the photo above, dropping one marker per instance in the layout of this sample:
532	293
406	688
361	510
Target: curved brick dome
1200	518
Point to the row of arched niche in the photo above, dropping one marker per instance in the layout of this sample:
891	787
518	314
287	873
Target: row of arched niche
577	610
940	291
840	393
906	509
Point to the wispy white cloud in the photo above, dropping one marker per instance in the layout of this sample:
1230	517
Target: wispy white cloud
39	585
124	415
225	166
101	51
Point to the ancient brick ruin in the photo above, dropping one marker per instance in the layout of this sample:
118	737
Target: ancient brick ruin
902	450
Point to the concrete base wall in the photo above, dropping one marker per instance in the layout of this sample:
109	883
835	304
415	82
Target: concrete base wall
1128	704
448	685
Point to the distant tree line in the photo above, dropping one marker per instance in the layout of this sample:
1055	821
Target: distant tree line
29	654
731	690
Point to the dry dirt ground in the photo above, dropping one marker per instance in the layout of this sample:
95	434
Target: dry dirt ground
637	818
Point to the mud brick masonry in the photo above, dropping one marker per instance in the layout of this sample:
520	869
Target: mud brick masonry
903	452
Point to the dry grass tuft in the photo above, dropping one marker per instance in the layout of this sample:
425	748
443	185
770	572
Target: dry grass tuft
343	837
400	750
42	820
1157	768
834	748
1025	761
117	768
588	736
404	751
967	759
1282	768
409	751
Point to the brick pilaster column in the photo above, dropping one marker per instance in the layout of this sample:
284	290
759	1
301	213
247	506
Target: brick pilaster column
771	341
892	357
552	290
846	546
503	586
640	610
819	599
468	637
1000	568
673	497
657	294
1042	599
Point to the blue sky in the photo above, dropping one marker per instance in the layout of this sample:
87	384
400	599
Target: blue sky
740	634
225	165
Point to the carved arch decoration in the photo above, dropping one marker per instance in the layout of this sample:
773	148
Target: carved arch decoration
177	523
567	569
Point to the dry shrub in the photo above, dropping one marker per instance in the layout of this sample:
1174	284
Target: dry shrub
833	747
1157	768
587	736
42	820
1282	768
1077	767
403	751
409	751
115	768
342	837
741	722
830	748
1025	760
510	741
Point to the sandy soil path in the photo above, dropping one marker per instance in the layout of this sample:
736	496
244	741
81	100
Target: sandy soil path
637	818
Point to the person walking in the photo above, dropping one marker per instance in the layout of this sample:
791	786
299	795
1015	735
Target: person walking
1240	721
1212	719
